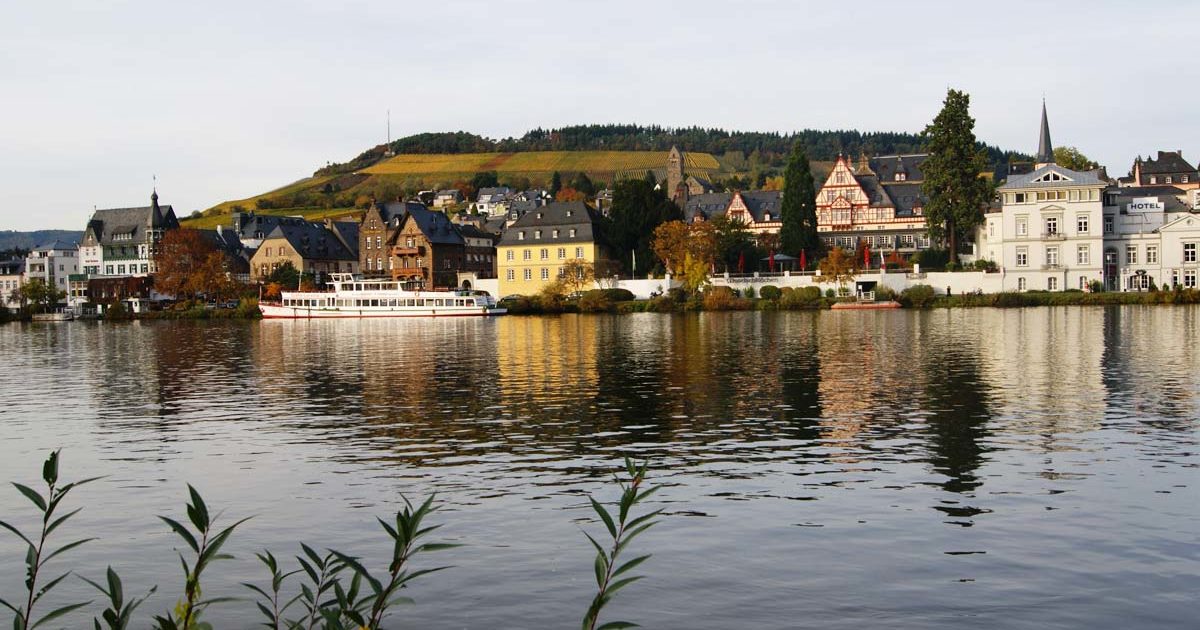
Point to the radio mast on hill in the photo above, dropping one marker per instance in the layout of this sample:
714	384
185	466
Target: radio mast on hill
387	150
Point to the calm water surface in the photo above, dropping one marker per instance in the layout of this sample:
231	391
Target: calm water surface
984	468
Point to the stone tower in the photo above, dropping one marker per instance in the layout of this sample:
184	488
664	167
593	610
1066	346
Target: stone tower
674	171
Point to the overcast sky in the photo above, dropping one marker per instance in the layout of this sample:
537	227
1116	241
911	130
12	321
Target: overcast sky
226	100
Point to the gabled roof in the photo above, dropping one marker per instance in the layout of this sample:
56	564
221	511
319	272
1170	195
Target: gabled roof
760	203
1184	222
562	216
435	225
1072	178
393	212
1168	162
130	221
313	241
707	206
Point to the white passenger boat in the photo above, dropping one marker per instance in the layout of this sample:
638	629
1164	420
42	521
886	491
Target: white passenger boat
356	297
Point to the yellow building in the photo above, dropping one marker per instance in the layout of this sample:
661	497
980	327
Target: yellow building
533	250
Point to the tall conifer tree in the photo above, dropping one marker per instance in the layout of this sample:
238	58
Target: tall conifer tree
799	210
953	184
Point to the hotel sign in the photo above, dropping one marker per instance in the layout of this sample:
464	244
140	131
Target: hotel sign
1145	204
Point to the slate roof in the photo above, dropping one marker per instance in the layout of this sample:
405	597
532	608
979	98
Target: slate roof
495	225
762	202
133	221
250	225
875	190
12	267
1045	154
435	225
393	212
524	205
56	245
1026	180
348	232
492	193
905	196
225	240
886	166
1172	198
470	230
708	206
1168	162
557	215
313	241
759	203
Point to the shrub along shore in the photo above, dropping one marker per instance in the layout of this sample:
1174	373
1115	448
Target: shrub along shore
770	298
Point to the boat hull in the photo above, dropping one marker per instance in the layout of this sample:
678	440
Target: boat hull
270	311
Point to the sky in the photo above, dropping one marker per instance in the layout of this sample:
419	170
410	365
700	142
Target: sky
224	100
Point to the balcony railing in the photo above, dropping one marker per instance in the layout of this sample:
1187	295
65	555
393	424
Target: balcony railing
409	251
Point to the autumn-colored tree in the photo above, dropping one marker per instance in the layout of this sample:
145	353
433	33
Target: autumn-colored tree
570	194
574	276
180	263
670	245
212	279
837	266
687	250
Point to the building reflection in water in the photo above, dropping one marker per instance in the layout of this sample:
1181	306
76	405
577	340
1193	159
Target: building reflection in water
563	395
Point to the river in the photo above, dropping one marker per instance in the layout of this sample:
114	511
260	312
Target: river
993	468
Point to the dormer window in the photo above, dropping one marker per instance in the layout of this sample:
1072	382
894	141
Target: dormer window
572	232
767	217
539	215
1153	179
900	177
537	234
554	233
521	236
1168	179
568	213
1053	176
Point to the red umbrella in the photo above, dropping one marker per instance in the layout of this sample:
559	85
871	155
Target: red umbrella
803	260
771	261
742	262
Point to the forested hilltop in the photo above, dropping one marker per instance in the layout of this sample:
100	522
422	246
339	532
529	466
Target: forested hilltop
768	148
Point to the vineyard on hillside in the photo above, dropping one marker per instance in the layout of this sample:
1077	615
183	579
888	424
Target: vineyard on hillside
599	165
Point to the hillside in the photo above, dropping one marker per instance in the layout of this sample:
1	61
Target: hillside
331	194
10	239
604	152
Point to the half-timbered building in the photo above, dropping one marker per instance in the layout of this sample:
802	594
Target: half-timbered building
877	204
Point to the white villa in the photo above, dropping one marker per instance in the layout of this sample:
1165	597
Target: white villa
1062	229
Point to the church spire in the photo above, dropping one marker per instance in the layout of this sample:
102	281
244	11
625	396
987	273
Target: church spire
1045	154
